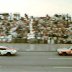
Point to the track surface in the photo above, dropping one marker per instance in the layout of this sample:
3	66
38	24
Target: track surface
36	62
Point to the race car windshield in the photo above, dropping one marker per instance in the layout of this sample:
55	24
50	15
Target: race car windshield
70	47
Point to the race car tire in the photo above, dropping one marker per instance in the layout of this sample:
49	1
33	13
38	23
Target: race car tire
8	54
64	54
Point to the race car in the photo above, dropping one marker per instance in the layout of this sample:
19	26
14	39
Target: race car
65	51
7	51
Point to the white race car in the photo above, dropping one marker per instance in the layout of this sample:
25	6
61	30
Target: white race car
7	51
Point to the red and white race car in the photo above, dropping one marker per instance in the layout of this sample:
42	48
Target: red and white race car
65	51
7	51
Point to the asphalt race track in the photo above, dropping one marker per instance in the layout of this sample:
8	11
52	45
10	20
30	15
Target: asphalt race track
36	61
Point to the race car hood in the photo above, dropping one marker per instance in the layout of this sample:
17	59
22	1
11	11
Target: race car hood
62	49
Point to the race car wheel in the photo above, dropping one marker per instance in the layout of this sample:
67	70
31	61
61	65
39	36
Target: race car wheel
8	54
64	53
60	54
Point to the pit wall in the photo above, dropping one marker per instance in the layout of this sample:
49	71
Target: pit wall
35	47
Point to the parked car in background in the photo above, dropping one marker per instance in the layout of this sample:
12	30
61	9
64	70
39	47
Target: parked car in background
65	51
7	51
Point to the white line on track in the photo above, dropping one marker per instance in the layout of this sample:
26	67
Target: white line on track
59	58
62	67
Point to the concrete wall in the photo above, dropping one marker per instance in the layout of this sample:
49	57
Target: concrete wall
35	47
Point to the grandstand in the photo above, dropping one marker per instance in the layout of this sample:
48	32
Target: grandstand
55	29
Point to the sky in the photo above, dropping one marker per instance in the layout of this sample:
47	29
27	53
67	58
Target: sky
36	7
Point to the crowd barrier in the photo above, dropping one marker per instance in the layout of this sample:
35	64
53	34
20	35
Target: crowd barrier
21	47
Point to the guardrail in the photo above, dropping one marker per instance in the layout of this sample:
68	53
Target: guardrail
21	47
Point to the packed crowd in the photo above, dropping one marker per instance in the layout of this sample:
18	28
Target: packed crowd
52	30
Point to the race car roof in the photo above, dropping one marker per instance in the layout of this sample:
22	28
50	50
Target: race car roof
3	47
